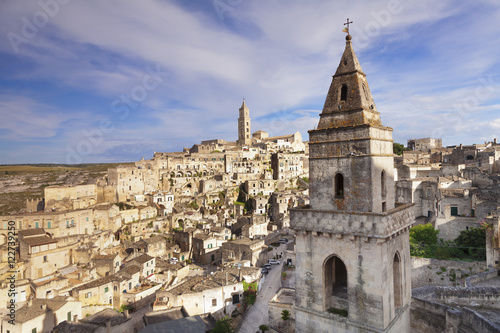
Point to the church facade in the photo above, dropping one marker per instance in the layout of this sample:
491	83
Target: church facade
352	241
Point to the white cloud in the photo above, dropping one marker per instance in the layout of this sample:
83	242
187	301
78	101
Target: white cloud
23	118
278	55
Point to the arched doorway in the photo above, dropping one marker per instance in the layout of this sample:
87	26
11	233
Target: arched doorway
335	283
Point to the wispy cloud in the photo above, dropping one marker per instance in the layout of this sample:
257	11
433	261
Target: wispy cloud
423	59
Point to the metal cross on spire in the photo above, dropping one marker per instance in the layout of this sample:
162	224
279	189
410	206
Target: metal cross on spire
347	28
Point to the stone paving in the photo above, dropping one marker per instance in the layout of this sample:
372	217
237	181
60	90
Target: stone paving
258	313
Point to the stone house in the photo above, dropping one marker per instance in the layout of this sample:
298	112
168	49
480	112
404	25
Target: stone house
106	264
49	288
222	234
63	198
169	273
41	315
155	246
107	217
254	187
58	224
130	180
42	251
279	204
104	321
259	204
222	291
424	193
254	226
205	249
24	289
424	143
288	166
146	264
290	142
129	215
147	213
105	290
165	199
244	249
456	212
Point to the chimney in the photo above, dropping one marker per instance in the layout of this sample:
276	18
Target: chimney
108	326
43	306
495	141
125	313
240	278
75	318
226	279
30	302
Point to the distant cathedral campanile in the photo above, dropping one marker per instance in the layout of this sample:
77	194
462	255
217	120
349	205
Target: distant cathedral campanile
352	241
244	134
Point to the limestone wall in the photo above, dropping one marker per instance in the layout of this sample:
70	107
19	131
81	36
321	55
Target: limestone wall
435	272
430	314
449	228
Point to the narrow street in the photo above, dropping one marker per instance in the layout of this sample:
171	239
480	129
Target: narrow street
258	313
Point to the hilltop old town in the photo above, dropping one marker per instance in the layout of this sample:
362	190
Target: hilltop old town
266	233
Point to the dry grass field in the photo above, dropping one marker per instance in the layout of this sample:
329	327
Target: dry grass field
21	182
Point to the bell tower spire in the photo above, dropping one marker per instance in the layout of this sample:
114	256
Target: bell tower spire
352	242
350	135
244	134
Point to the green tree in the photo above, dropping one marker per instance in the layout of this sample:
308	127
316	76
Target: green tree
398	148
424	234
264	328
223	326
473	242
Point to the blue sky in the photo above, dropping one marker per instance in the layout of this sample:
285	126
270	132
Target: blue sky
109	81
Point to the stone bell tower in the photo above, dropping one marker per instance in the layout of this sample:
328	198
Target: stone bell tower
353	252
244	134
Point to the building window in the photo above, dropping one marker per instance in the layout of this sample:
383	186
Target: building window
106	289
49	224
343	92
69	316
36	225
45	259
214	302
33	330
88	295
339	186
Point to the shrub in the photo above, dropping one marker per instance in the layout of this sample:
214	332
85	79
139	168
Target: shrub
340	312
223	326
285	315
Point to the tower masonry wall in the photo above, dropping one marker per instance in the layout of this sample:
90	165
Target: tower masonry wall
352	223
370	290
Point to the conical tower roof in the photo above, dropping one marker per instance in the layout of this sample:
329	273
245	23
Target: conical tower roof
243	105
349	62
349	101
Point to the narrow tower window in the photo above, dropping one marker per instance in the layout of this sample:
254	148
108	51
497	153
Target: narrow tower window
339	186
343	92
382	184
397	281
